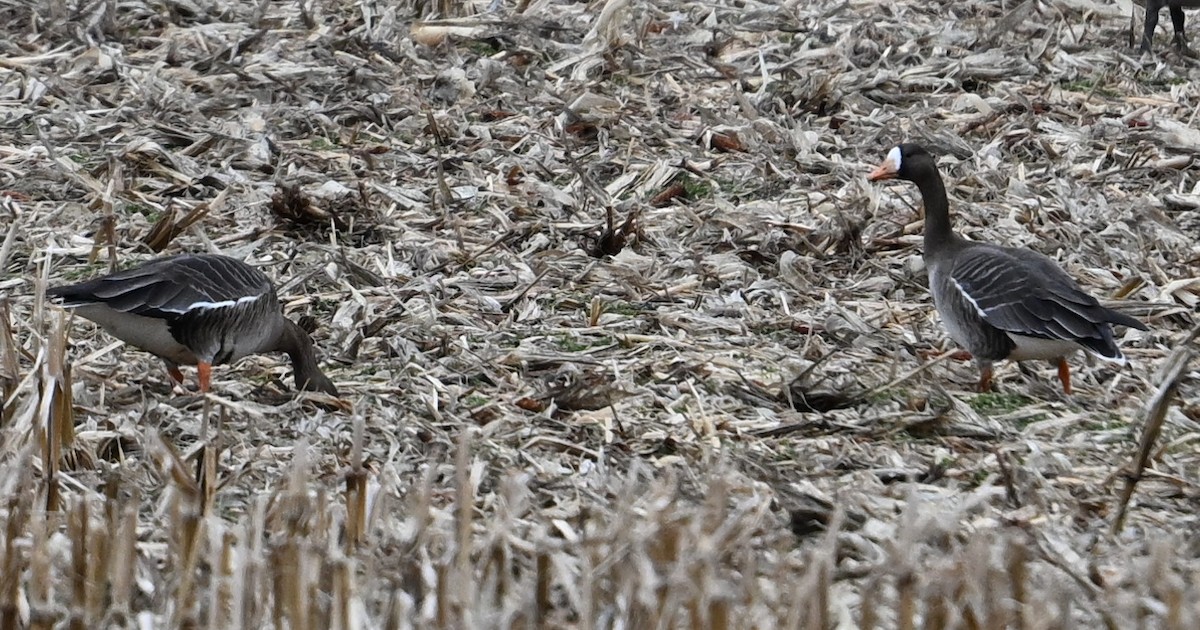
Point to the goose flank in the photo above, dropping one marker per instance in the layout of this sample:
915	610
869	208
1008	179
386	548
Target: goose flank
1001	302
196	309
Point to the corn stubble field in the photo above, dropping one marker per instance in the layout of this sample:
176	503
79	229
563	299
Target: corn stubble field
624	337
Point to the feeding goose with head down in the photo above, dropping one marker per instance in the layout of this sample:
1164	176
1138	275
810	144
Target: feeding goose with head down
1002	302
196	309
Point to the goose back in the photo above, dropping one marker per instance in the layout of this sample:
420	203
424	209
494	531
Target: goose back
1002	302
214	308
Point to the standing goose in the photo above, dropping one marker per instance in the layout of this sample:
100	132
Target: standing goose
1001	302
196	309
1177	21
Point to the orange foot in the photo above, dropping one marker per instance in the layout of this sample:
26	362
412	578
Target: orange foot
1064	375
176	375
985	379
205	369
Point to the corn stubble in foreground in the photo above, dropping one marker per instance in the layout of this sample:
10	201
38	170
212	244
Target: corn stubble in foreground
656	556
645	551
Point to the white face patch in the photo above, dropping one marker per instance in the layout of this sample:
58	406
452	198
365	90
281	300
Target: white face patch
893	156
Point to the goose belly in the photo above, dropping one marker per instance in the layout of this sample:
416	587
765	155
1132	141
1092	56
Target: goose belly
1030	348
147	333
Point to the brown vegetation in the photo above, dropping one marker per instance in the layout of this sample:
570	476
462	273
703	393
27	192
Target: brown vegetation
625	338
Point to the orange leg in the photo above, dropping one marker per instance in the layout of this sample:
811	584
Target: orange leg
205	369
173	370
985	379
1064	375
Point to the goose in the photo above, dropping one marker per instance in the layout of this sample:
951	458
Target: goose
1001	302
1177	20
196	309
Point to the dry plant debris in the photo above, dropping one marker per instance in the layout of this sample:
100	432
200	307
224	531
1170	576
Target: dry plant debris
630	341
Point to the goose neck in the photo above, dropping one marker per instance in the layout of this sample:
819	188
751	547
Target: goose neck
938	230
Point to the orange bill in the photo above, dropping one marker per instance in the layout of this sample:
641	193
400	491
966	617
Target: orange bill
886	170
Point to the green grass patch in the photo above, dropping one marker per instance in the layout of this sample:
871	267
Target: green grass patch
567	343
1021	423
1106	421
993	404
888	395
1090	86
622	308
976	478
697	188
483	49
321	144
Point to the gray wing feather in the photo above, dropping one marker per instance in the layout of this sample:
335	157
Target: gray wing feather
1025	293
167	288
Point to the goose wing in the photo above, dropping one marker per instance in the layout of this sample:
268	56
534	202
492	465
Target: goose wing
1024	293
168	288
